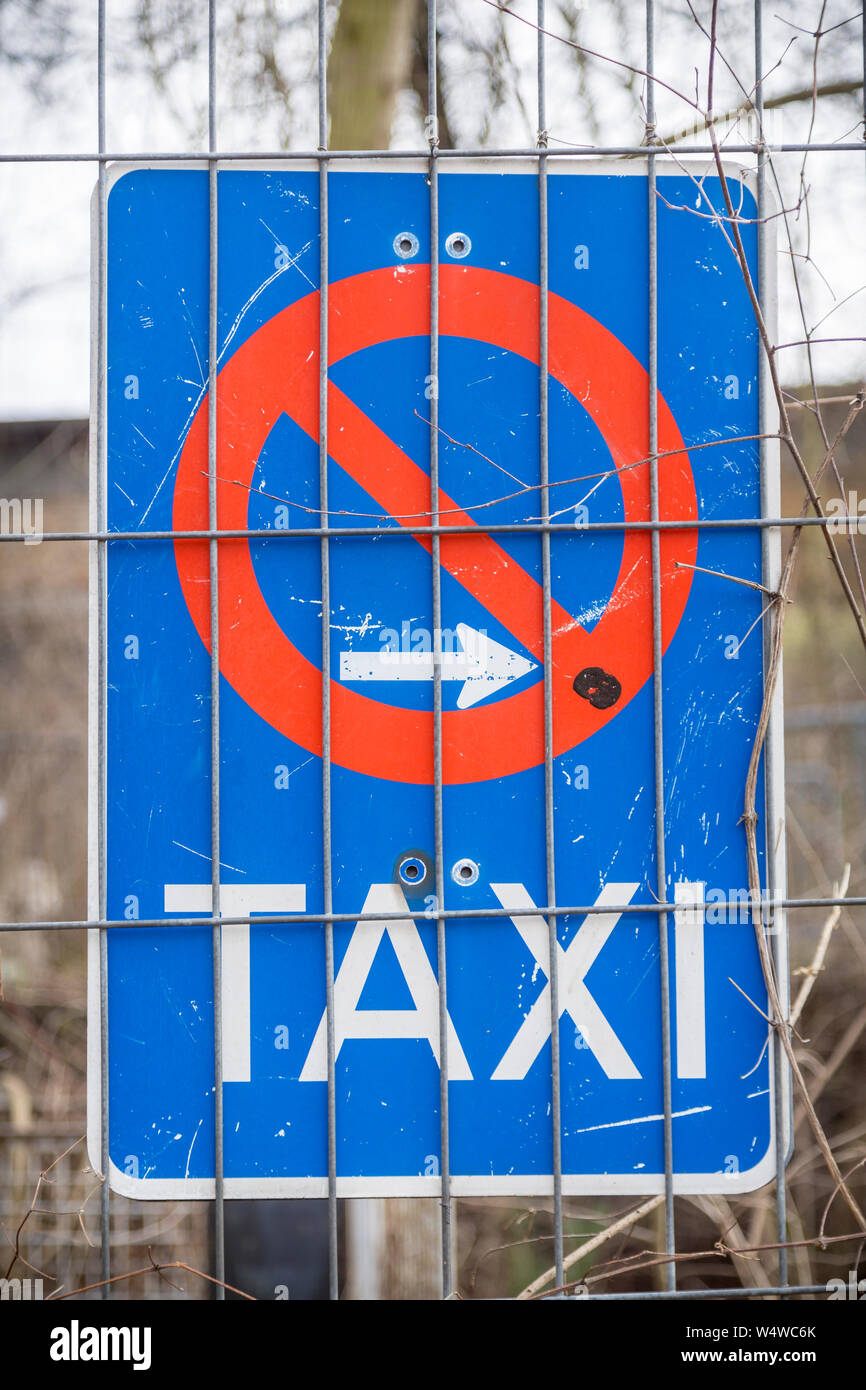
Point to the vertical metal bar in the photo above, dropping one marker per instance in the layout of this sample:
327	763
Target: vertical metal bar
327	871
544	478
658	684
438	836
771	810
102	653
213	544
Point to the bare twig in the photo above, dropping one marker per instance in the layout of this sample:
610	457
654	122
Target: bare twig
424	517
747	1263
588	1246
735	579
750	817
592	53
152	1268
834	1194
812	971
719	1250
43	1177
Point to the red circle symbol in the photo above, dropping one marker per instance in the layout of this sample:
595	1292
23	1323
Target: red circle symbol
275	372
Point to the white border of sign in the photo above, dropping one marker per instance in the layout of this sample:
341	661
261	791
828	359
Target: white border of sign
480	1185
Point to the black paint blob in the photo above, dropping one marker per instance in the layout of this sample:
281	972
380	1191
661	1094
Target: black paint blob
594	684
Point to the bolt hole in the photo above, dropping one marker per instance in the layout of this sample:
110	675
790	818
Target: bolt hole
465	872
406	245
458	245
412	870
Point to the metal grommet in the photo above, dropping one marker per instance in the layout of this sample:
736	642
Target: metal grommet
465	872
406	245
412	870
458	245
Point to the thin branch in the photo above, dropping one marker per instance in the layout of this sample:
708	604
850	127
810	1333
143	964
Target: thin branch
461	444
153	1267
720	1250
747	1263
777	621
833	1195
812	971
588	1246
735	578
749	1000
43	1177
591	53
796	404
506	497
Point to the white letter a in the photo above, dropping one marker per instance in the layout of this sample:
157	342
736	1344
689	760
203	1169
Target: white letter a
352	1022
60	1338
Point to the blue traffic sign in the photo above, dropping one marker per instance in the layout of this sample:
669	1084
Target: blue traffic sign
157	786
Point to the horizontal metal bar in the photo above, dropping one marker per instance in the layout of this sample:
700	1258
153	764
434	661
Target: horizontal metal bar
541	910
529	152
694	1295
505	528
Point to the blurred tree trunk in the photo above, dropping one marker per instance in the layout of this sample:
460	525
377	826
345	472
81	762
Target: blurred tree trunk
370	63
393	1247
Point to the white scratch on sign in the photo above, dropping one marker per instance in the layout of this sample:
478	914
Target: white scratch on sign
643	1119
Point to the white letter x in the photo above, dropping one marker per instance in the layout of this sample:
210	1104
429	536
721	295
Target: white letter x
574	997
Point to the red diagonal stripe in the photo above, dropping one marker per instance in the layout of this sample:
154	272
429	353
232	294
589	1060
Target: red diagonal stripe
402	489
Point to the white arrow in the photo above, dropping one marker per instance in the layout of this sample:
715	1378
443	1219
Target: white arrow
484	666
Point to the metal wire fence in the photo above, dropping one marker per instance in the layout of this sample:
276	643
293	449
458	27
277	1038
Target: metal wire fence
119	1222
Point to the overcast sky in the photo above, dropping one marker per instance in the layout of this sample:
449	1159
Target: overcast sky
44	231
